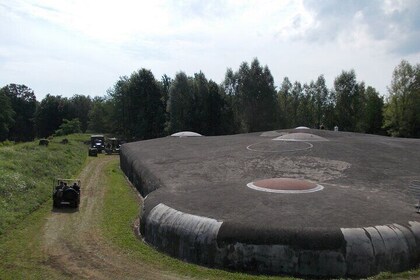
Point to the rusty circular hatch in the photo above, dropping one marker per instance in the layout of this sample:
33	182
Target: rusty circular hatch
285	185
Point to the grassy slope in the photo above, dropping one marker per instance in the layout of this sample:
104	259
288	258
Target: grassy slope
26	177
27	171
22	257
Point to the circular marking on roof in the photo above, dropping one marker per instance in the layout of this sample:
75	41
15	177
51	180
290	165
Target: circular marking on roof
285	185
279	146
302	127
300	136
272	134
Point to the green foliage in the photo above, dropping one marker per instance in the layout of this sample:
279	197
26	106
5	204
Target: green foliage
402	110
80	106
180	104
101	116
306	105
253	97
296	98
30	118
50	114
6	116
69	127
7	143
348	101
23	103
197	104
217	113
373	118
320	100
165	84
284	97
53	110
138	106
27	172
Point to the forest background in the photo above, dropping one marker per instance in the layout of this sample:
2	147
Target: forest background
142	107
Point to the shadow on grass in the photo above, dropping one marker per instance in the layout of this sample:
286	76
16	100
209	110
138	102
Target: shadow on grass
64	209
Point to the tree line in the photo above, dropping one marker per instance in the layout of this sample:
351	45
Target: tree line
143	107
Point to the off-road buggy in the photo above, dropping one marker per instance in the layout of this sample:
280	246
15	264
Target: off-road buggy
66	192
112	146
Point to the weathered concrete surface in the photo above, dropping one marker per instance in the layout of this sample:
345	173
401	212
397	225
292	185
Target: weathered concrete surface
199	208
183	235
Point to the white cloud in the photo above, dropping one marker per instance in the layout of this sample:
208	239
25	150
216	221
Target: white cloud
109	21
68	47
391	24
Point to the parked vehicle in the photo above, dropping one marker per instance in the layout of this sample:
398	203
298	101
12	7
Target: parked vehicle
112	146
97	145
98	142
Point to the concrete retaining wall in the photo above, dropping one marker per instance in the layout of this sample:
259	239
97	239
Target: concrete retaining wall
363	251
381	248
188	237
138	174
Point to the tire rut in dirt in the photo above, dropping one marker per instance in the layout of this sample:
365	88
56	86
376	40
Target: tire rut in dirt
73	243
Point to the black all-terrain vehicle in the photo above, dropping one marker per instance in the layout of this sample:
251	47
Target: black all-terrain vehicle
112	146
93	152
66	192
97	145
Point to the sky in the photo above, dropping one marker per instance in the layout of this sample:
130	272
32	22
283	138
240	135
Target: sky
68	47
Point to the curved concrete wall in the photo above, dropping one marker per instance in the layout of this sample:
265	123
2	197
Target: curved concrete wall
138	174
354	252
182	235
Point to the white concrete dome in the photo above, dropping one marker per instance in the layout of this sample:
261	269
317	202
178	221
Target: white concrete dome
186	134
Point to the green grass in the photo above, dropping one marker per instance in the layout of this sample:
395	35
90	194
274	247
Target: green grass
121	209
27	171
411	274
26	176
20	249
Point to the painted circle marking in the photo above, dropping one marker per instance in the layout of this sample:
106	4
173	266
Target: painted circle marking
253	147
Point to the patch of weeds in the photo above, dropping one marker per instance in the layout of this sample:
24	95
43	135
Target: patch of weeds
27	172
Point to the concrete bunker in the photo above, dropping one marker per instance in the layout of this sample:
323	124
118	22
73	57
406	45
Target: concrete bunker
199	208
186	134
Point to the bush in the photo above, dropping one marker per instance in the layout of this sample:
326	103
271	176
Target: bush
69	127
6	143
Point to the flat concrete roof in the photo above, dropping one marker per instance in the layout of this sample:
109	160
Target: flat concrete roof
366	181
365	178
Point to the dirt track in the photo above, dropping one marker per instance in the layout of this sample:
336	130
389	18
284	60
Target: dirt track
73	242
